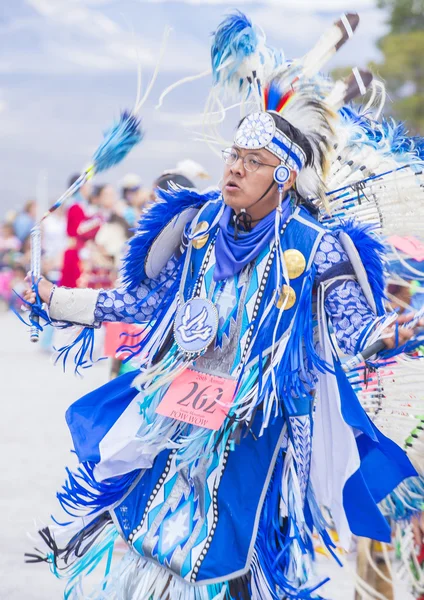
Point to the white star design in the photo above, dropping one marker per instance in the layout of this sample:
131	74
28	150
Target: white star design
175	528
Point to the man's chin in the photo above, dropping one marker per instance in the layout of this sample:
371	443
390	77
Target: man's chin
237	201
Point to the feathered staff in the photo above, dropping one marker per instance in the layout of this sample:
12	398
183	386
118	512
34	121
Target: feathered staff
117	142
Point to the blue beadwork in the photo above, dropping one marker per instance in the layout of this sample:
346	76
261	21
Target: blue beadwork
135	307
346	305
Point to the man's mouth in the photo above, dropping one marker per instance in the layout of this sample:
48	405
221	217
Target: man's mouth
231	186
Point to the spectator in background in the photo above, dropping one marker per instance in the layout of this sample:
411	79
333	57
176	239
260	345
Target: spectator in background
8	239
25	220
399	295
163	181
114	233
54	244
81	226
101	256
133	198
184	173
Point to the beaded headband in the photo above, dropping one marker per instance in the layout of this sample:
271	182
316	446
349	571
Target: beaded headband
258	130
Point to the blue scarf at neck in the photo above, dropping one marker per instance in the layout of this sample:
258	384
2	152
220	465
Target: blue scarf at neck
232	255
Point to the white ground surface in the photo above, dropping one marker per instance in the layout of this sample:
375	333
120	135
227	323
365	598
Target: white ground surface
35	446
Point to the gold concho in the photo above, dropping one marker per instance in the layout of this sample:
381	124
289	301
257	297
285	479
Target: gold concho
289	293
295	261
201	241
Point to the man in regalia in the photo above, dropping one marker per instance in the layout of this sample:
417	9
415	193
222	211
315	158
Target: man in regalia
213	460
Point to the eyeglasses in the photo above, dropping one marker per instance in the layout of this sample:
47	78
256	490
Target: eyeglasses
250	161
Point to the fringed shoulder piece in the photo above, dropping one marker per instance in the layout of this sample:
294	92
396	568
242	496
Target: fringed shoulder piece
161	212
370	251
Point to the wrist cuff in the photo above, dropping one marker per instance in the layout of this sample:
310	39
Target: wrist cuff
73	305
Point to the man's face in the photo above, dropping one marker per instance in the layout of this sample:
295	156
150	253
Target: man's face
241	187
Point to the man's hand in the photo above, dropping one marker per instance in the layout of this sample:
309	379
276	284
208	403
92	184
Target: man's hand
44	290
404	334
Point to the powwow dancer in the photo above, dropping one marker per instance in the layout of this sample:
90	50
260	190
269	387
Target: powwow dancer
214	459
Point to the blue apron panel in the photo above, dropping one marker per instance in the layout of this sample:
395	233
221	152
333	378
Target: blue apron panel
240	498
225	528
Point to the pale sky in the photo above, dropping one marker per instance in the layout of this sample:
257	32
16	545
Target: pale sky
68	67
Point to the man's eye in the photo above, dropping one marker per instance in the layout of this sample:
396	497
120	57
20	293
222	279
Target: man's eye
254	162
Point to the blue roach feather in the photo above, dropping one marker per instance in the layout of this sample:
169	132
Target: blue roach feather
274	95
401	144
371	251
234	39
169	203
118	141
368	127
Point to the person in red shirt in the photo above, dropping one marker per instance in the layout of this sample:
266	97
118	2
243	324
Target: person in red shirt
81	227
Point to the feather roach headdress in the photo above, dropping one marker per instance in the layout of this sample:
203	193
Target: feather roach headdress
290	110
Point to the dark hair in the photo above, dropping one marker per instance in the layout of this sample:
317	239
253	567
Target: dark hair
98	189
20	269
163	181
118	220
294	134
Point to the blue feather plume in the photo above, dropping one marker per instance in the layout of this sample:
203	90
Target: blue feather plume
371	251
153	220
234	39
118	141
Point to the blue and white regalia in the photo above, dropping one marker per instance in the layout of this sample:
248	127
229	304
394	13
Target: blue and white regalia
228	511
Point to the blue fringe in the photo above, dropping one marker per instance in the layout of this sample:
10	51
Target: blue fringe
405	501
371	252
83	358
82	491
118	141
273	543
300	357
408	348
36	310
87	563
156	217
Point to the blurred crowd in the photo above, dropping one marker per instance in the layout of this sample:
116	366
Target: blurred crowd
83	241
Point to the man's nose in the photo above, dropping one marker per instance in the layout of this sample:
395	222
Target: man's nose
238	166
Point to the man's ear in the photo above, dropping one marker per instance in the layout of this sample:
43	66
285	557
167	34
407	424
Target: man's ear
291	180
